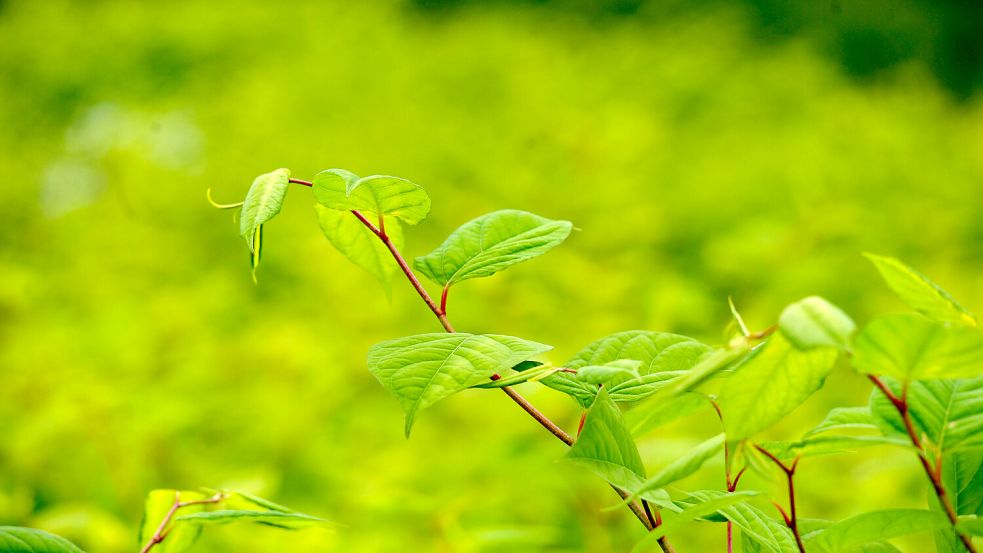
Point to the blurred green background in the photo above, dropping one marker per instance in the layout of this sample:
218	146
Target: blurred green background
746	149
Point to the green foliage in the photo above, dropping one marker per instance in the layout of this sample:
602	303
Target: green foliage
424	369
703	503
660	410
814	322
842	418
490	243
263	202
920	293
874	526
270	518
605	446
758	528
380	195
156	508
357	243
826	445
683	466
911	347
29	540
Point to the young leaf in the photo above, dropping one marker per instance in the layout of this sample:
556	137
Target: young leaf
14	539
911	347
948	412
490	243
605	446
811	528
263	202
156	507
423	369
684	466
769	534
614	372
279	519
770	383
842	418
920	293
660	410
382	195
710	365
658	353
350	237
704	503
528	375
814	322
876	525
826	445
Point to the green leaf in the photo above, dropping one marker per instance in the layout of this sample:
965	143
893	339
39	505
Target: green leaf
156	507
663	357
614	372
770	383
382	195
263	202
491	243
605	446
684	465
704	503
28	540
911	347
826	445
843	418
874	526
810	529
962	478
423	369
814	322
948	412
920	293
970	525
353	239
768	533
710	365
529	375
279	519
660	410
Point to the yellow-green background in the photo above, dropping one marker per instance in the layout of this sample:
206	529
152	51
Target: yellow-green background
698	159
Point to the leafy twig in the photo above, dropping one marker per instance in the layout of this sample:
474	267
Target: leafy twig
163	530
790	518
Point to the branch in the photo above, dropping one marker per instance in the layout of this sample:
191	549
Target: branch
162	530
934	474
790	518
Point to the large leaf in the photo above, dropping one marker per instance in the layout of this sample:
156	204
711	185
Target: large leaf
279	519
659	410
874	526
811	528
605	446
490	243
948	412
684	466
920	293
911	347
378	194
843	418
156	507
353	239
423	369
610	374
663	357
814	322
703	503
827	445
770	383
28	540
262	203
769	534
962	477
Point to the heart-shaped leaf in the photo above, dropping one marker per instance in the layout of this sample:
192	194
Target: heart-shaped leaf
379	194
262	203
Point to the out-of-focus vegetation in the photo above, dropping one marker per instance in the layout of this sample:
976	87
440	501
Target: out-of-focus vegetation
699	162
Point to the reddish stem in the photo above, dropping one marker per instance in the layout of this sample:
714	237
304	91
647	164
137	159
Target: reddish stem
162	530
790	519
443	298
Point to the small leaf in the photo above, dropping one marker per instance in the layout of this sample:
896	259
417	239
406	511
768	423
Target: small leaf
614	372
920	293
768	533
605	446
263	202
423	369
14	539
353	239
814	322
948	412
911	347
279	519
660	410
490	243
156	507
874	526
827	445
382	195
684	465
528	375
710	365
770	383
841	418
706	503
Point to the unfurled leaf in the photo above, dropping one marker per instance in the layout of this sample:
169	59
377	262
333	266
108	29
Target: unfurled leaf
827	445
767	533
920	293
381	195
279	519
948	412
843	418
662	357
814	322
156	507
263	202
14	539
911	347
614	372
353	239
605	446
490	243
874	526
684	466
423	369
701	504
660	410
770	383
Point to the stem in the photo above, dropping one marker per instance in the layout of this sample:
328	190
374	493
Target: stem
443	298
162	530
934	474
515	396
790	519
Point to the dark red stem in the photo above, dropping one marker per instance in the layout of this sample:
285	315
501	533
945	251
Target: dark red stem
790	519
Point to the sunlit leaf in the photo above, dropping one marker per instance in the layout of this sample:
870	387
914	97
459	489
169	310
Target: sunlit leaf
279	519
606	447
962	478
421	370
827	445
156	506
874	526
28	540
353	239
948	412
529	375
774	380
911	347
814	322
614	372
703	503
844	418
659	410
769	534
684	466
490	243
920	293
970	525
381	195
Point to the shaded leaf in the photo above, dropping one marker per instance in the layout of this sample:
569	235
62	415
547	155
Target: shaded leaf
605	446
379	194
911	347
920	293
353	239
14	539
423	369
490	243
814	322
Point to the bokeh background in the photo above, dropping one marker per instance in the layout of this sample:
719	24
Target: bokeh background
750	149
